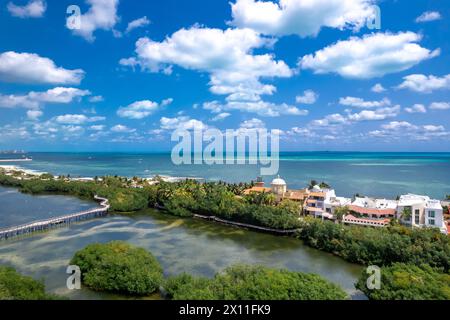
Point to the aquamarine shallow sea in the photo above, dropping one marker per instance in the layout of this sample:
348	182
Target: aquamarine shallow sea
373	174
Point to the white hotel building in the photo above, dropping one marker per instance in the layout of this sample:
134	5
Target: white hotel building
424	212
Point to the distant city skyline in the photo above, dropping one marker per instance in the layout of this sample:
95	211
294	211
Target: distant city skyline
132	73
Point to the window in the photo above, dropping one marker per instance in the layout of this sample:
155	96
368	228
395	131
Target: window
431	214
431	222
417	216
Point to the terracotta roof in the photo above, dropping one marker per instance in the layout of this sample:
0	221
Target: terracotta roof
257	190
373	211
295	194
317	194
448	229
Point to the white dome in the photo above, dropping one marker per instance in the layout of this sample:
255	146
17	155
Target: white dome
278	182
316	188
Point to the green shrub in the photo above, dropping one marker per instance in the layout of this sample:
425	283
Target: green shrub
242	282
118	267
14	286
408	282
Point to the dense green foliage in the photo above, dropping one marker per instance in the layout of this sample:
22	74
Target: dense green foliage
383	246
408	282
243	282
118	267
14	286
217	199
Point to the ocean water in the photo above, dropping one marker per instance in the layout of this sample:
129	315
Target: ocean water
372	174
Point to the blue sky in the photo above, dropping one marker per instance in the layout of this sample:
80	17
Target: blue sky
136	70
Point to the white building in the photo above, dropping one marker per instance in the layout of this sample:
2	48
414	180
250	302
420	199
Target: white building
323	203
421	211
371	212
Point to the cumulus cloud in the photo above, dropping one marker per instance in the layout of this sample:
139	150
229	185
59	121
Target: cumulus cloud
402	129
76	119
141	109
308	97
373	55
378	88
33	9
138	23
253	124
300	17
102	14
428	16
181	123
417	108
425	84
440	106
375	115
32	68
34	114
221	116
34	99
226	55
361	103
330	120
122	129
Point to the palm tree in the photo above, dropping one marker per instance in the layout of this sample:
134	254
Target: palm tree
340	212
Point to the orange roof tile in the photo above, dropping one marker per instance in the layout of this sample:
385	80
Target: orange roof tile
373	211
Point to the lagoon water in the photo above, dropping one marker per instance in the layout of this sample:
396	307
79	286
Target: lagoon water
181	245
374	174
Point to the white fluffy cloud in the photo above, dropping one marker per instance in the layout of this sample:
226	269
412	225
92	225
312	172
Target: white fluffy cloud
141	109
253	124
122	129
428	16
32	68
425	84
33	9
34	99
300	17
417	108
361	103
402	129
181	123
330	120
375	115
76	119
102	14
373	55
378	88
138	23
34	114
308	97
440	106
226	55
96	99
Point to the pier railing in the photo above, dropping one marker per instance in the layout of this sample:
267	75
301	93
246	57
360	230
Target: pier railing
42	225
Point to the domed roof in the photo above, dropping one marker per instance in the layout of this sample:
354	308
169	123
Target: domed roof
278	182
316	188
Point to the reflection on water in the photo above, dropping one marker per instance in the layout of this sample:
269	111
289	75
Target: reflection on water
18	208
181	245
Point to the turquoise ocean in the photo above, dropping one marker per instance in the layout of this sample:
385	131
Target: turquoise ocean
377	174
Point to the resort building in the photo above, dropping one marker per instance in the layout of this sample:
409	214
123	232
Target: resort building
279	188
421	211
321	203
371	212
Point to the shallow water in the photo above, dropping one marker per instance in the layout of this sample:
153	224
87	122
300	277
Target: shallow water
181	245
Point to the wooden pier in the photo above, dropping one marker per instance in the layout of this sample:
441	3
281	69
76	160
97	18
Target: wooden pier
55	222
